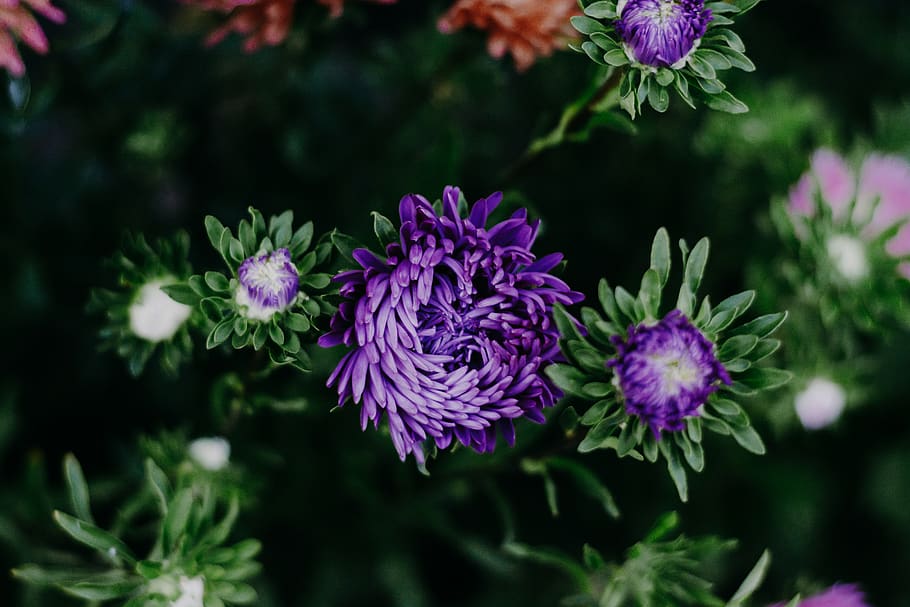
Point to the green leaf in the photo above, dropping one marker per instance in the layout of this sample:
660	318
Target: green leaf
695	265
752	581
586	25
765	378
626	303
593	52
730	37
301	239
587	481
665	76
604	41
297	322
675	468
92	536
737	59
596	412
217	281
739	302
220	334
345	245
384	229
567	326
77	488
725	102
608	302
102	590
681	84
701	67
177	518
161	487
748	438
717	60
737	347
765	348
260	335
181	293
214	230
649	293
664	525
763	326
659	98
660	255
601	10
567	378
617	58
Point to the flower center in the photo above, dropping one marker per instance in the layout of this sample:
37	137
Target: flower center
848	254
154	316
662	33
665	371
268	284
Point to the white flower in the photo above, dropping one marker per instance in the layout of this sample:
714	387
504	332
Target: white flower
820	403
154	316
210	453
191	592
848	254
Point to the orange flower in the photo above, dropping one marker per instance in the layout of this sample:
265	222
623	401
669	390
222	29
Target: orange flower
259	21
526	28
17	22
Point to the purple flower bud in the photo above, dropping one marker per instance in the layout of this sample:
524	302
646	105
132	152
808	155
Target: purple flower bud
450	333
666	371
661	33
839	595
268	284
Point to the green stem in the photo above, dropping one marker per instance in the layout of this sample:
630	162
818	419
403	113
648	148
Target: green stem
598	98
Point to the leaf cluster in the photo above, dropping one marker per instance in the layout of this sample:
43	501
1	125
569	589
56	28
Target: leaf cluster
588	346
697	78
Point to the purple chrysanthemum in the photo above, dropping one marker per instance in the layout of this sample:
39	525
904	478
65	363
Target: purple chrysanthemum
839	595
268	284
666	371
662	33
450	333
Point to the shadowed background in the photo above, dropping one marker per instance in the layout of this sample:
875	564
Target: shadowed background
132	124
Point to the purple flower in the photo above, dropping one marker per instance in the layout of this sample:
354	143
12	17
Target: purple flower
450	333
839	595
661	33
666	371
268	284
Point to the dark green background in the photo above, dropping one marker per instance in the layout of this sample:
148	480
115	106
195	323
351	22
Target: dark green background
132	124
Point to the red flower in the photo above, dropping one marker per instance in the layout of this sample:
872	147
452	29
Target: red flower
526	28
18	23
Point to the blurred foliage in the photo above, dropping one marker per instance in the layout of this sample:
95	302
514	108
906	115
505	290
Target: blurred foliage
130	123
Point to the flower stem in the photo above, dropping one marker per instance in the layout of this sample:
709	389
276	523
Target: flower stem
574	123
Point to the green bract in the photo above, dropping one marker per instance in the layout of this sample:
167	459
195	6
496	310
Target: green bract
194	520
718	50
215	292
657	572
588	347
134	328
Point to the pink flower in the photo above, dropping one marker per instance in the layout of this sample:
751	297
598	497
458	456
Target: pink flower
839	595
881	191
525	28
830	174
18	23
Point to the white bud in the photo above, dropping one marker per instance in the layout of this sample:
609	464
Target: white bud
820	403
210	453
154	316
848	254
191	592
